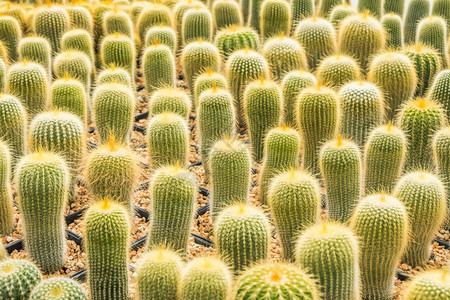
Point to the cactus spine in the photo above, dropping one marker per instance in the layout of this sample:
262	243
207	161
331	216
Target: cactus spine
275	18
416	11
7	219
10	35
18	278
441	154
118	50
51	23
393	28
432	31
207	81
226	13
197	24
337	70
429	285
75	64
158	67
438	91
58	288
69	95
36	49
233	38
170	99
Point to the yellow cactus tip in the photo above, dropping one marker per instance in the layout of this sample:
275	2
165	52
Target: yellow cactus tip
365	14
319	85
292	174
112	145
113	67
49	3
389	126
66	76
209	71
382	197
419	47
314	18
284	127
241	209
391	14
160	254
361	82
116	35
200	40
246	49
276	275
56	291
422	103
262	80
106	204
421	175
444	274
324	227
8	268
339	140
214	87
198	7
8	5
155	42
233	27
116	8
25	62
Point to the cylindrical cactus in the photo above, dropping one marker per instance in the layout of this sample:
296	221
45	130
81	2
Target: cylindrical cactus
275	18
416	11
441	154
294	199
7	220
158	67
283	55
438	91
242	236
179	9
98	12
18	278
173	191
429	285
337	70
155	14
171	100
226	13
301	9
423	195
254	12
393	27
118	50
207	81
318	114
326	6
3	253
80	18
394	6
432	31
69	95
233	38
42	180
78	40
374	7
205	278
36	49
118	21
161	35
362	105
380	220
329	252
60	288
114	75
159	275
76	64
441	8
51	23
107	250
113	110
197	24
10	35
339	13
420	119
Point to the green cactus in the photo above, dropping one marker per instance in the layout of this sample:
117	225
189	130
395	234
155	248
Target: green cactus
329	252
78	40
111	172
416	11
159	275
374	7
233	38
394	6
361	36
337	70
69	95
284	55
163	35
275	18
301	9
393	28
206	278
158	67
179	9
441	154
432	31
243	67
18	277
80	18
76	64
423	195
242	236
167	140
7	220
441	8
339	13
254	12
51	23
3	253
275	281
98	12
229	159
318	37
2	76
58	288
432	284
107	280
427	64
420	119
197	24
29	83
42	180
36	49
292	85
155	14
318	114
226	13
438	91
136	8
113	110
216	120
118	50
262	107
207	81
173	191
114	75
326	6
171	100
19	13
395	75
118	21
10	35
4	52
380	220
196	58
362	105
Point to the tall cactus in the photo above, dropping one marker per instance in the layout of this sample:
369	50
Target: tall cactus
158	67
69	95
394	6
393	27
18	277
179	9
207	81
441	155
155	14
275	18
197	24
51	23
226	13
441	8
78	40
432	31
438	91
416	11
118	21
337	70
10	35
80	18
118	50
326	6
7	219
76	64
301	9
36	49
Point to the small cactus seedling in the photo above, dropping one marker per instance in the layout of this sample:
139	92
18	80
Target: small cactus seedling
36	49
69	95
76	64
416	11
275	18
10	35
51	23
441	154
234	38
158	67
171	100
18	278
226	13
438	91
337	70
432	31
58	288
6	204
197	24
432	284
393	27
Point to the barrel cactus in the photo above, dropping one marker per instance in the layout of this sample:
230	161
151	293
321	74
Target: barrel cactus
393	28
158	67
207	81
51	23
10	35
78	40
197	24
226	13
429	285
114	75
441	149
432	31
76	64
416	11
438	91
58	288
233	38
275	18
163	35
337	70
69	95
18	278
36	49
155	14
118	50
170	99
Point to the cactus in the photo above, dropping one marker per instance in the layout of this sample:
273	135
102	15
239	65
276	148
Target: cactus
423	195
243	67
226	13
78	40
233	38
158	67
69	95
427	64
394	6
275	18
361	36
340	167
114	75
254	13
111	172
18	277
275	281
207	81
51	23
395	75
113	110
216	120
167	140
2	75
4	52
107	280
262	106
163	35
318	114
441	155
242	236
36	49
337	70
438	91
153	15
80	18
432	284
173	191
179	9
326	6
301	9
432	31
58	288
441	8
118	21
98	13
29	83
7	219
380	220
339	13
318	37
42	180
19	13
284	55
205	278
3	253
362	110
196	58
420	119
75	64
159	275
416	11
136	8
229	159
10	35
171	100
197	24
292	85
393	28
374	7
118	50
329	252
